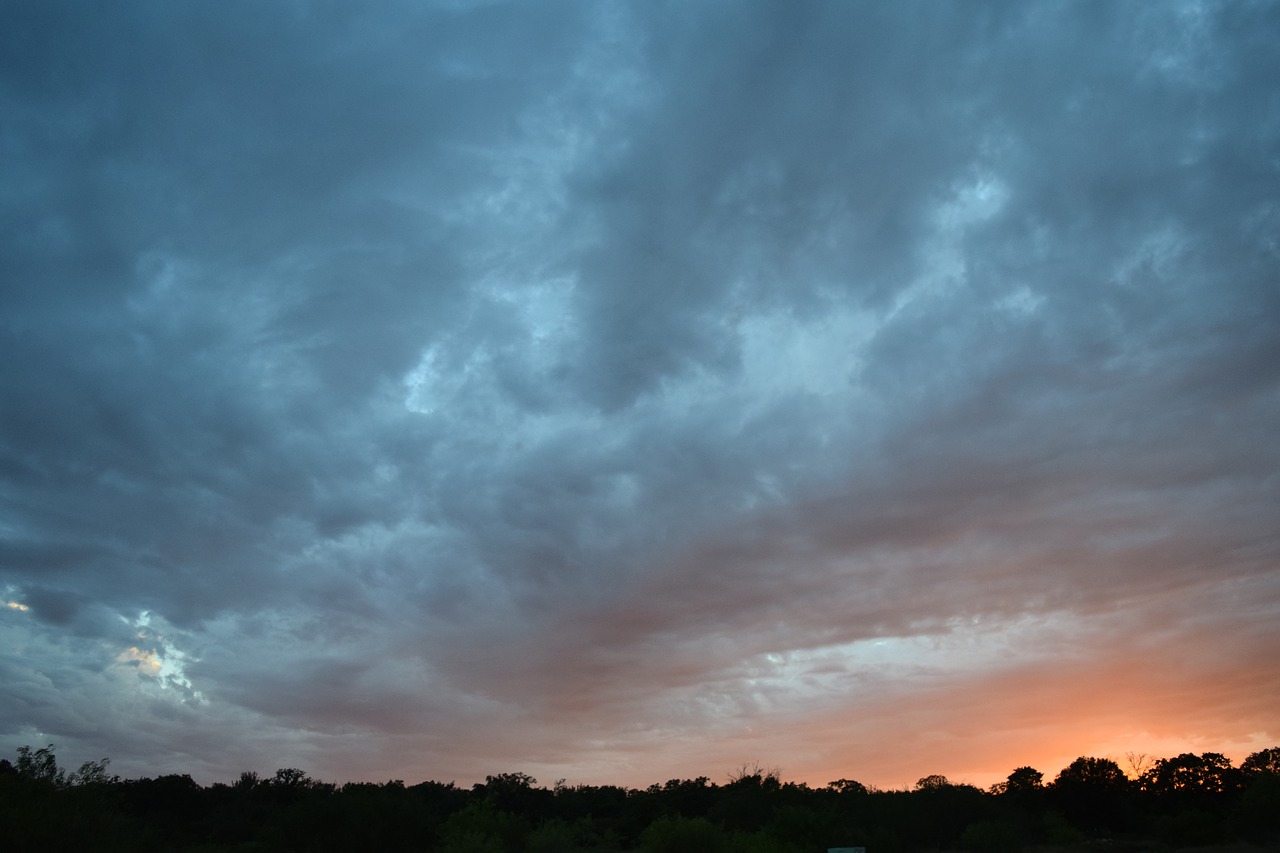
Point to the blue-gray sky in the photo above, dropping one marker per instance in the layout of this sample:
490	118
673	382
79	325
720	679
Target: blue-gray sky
627	391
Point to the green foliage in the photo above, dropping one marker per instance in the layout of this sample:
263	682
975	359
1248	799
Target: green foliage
1059	831
990	836
1193	828
554	836
674	834
805	827
479	827
1256	816
761	842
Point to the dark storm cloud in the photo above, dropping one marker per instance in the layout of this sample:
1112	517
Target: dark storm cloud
787	148
497	383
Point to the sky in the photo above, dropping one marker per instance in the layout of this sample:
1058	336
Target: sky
619	392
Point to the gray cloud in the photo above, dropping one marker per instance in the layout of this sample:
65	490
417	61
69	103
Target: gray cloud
438	389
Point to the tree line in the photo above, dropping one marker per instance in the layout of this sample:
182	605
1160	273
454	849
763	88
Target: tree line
1190	800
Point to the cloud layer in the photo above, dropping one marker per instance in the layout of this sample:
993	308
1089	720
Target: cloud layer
629	391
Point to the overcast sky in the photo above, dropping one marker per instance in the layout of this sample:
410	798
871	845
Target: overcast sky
628	391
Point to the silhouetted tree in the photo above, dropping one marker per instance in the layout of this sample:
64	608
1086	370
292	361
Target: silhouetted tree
746	804
1190	796
1094	773
1187	799
756	774
1262	761
174	807
290	778
40	766
1022	782
932	782
1093	794
1138	763
1191	778
93	773
847	786
1256	815
939	810
515	793
686	797
40	810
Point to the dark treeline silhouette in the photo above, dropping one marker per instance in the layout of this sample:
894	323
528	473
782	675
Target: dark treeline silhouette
1181	802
